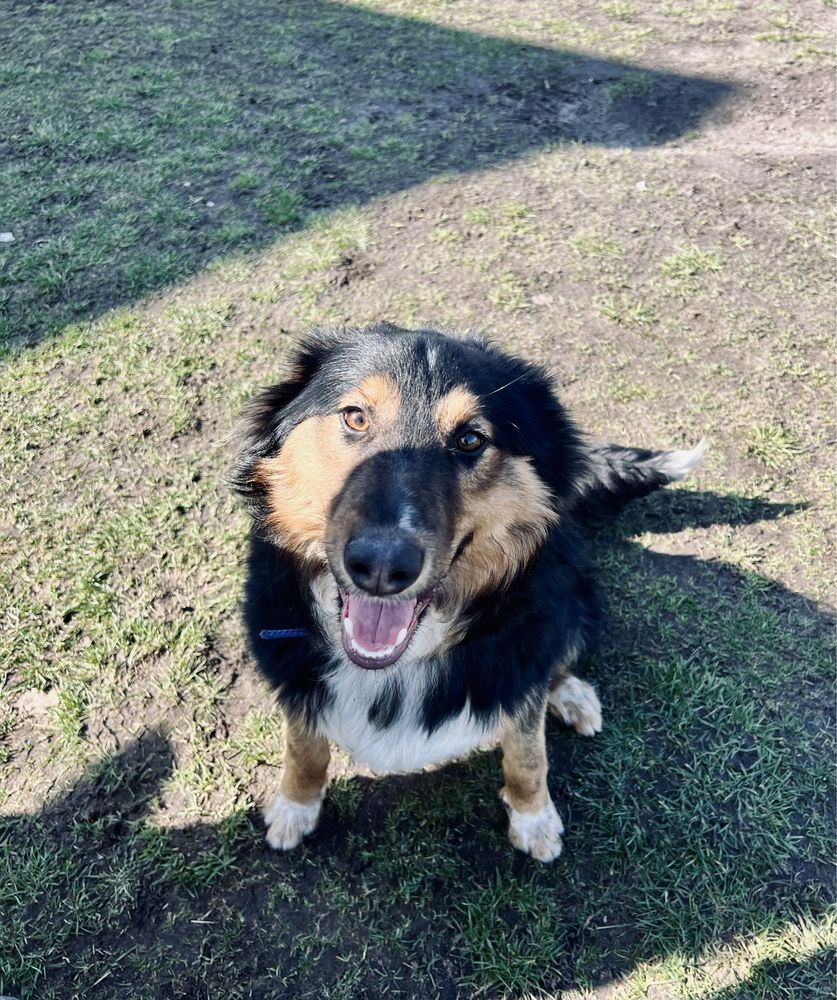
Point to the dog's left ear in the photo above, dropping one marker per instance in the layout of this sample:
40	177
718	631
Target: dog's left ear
264	421
540	428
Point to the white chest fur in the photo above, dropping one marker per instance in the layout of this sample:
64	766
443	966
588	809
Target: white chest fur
404	745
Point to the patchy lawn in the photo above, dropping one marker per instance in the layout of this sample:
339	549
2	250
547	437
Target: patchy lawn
637	195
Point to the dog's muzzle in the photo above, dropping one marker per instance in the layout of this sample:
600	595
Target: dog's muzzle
383	562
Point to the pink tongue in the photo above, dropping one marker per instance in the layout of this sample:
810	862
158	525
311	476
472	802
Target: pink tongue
376	624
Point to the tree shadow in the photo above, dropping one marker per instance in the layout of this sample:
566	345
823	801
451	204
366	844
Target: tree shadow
158	137
695	818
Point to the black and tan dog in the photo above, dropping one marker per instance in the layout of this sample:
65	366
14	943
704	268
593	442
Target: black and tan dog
415	501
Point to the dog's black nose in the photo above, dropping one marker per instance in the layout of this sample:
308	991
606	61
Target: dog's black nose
381	563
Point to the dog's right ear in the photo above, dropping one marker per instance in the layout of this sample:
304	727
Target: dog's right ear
266	420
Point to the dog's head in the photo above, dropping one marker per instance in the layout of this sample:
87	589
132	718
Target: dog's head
415	467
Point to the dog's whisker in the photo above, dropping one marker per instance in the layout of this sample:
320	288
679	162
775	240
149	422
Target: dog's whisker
495	391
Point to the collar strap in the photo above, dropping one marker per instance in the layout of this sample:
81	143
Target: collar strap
283	633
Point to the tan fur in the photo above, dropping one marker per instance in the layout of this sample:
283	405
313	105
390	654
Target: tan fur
524	763
564	669
509	519
379	394
313	464
454	409
303	479
305	764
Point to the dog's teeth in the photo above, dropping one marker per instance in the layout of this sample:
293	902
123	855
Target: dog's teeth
370	654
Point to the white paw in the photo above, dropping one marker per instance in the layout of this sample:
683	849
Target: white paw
576	704
288	822
538	834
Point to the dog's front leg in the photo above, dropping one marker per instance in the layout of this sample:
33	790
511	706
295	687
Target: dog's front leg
296	809
534	824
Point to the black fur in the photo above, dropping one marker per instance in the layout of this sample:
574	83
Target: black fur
614	476
548	614
514	637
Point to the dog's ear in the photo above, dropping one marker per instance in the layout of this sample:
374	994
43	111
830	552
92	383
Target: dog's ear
264	421
537	425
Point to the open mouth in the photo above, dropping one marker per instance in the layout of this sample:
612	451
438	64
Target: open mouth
376	632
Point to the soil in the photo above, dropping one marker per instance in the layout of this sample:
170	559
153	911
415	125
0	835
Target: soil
729	147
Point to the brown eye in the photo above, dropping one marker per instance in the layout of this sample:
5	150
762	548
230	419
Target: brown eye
470	442
356	420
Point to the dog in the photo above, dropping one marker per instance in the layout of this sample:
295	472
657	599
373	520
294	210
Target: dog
418	501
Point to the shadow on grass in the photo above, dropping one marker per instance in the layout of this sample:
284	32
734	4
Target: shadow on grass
672	510
812	976
159	136
701	815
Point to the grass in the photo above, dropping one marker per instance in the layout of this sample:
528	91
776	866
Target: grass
631	85
509	932
509	292
622	10
772	444
401	161
682	269
281	208
147	148
592	243
625	311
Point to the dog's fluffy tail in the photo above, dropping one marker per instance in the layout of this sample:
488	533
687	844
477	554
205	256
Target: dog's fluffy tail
616	475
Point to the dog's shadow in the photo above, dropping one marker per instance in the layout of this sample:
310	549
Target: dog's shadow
697	817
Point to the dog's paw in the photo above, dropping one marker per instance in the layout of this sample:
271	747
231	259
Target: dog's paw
537	834
288	822
576	704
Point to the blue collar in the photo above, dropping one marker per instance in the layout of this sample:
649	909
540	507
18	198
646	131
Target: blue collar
283	633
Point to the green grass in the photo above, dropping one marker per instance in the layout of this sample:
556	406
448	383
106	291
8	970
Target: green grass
398	161
631	85
622	10
509	932
477	216
508	292
624	311
771	444
281	208
682	269
146	147
592	243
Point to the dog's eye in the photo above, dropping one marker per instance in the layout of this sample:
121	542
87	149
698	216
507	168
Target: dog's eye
470	442
355	419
